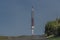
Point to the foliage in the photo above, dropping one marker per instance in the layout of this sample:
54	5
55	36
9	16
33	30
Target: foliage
54	38
53	28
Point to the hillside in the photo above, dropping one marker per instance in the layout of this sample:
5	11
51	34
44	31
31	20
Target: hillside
35	37
3	37
27	38
54	38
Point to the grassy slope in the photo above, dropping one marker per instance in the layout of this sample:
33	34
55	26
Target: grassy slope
3	37
54	38
6	37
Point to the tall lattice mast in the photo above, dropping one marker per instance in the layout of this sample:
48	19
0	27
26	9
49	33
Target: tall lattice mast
32	20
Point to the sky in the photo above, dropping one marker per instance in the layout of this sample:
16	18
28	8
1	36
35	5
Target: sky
15	16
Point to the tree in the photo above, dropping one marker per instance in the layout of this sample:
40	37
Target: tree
52	28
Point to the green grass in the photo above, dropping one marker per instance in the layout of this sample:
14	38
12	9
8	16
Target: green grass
54	38
3	37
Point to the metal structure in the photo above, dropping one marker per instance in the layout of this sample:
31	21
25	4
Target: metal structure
32	20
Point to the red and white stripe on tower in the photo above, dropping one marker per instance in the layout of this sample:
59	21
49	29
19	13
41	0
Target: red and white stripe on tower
32	20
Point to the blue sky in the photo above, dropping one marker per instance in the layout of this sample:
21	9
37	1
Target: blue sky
15	16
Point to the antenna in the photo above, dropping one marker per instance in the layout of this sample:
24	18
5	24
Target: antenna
32	20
